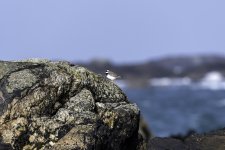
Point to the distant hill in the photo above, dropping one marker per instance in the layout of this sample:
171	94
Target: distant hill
194	67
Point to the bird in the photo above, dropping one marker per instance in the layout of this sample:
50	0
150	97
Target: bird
111	75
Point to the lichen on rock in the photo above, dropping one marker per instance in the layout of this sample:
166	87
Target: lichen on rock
56	105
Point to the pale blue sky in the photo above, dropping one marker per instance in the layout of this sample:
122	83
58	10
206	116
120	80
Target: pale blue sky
119	30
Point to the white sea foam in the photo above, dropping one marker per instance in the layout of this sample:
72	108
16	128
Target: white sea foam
213	81
213	76
170	81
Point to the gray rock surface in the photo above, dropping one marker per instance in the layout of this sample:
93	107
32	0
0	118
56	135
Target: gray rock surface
55	105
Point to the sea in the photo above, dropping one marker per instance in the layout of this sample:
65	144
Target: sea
170	108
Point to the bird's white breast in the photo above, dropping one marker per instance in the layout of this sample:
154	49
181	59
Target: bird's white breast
110	77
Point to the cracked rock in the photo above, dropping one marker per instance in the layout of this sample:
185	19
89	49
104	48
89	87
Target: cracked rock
56	105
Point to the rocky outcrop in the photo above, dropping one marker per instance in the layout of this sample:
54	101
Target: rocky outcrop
209	141
55	105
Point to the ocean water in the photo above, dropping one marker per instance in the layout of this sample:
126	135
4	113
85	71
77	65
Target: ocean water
171	110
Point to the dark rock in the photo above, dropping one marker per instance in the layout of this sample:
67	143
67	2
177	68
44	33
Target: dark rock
166	144
144	130
5	146
55	105
209	141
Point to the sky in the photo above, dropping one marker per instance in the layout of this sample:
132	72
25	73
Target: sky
118	30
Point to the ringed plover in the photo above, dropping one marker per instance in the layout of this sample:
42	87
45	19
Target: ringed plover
111	75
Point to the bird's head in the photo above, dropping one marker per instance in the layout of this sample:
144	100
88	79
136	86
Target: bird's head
107	72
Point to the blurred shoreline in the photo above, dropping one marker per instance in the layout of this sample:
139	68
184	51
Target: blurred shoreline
201	71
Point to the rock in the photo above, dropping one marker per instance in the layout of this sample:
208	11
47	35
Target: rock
55	105
208	141
144	129
5	146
